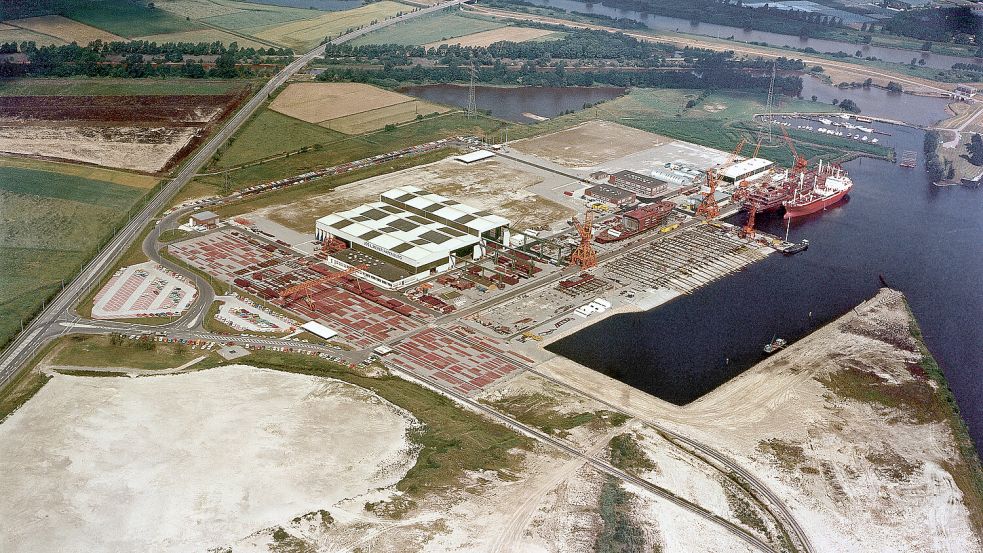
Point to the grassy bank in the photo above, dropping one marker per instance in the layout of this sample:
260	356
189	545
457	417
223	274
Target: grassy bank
967	471
107	351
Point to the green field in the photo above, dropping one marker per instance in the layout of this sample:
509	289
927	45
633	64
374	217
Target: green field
103	352
266	134
429	28
114	87
129	20
270	133
259	16
50	224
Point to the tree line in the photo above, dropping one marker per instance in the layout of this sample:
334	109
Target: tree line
93	60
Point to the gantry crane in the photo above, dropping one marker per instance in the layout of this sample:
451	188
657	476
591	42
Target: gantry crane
585	255
304	289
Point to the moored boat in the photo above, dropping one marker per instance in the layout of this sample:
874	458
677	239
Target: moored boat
825	194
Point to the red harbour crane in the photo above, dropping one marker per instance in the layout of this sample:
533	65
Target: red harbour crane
585	255
304	289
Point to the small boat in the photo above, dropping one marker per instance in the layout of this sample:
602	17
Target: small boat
796	248
775	345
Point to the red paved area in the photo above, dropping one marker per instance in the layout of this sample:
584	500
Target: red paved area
361	322
465	365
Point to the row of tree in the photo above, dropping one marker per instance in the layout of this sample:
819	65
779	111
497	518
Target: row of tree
167	49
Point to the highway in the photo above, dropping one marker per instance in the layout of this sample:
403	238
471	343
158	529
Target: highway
43	327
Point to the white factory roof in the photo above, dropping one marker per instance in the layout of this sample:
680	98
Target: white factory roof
446	208
319	329
478	155
397	233
744	167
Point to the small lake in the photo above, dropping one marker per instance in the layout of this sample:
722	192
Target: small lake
662	23
877	102
516	103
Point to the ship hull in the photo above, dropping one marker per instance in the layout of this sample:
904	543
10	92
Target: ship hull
799	210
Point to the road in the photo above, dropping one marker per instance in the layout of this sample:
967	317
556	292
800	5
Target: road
43	327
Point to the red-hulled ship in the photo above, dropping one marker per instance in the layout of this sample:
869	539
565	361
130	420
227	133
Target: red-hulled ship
637	221
825	193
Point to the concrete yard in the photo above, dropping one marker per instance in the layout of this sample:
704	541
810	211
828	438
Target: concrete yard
589	144
225	452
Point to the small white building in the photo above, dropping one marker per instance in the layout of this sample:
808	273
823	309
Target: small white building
745	169
205	219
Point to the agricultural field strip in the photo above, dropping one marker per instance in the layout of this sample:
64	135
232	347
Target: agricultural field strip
440	28
124	178
65	29
309	31
320	102
487	38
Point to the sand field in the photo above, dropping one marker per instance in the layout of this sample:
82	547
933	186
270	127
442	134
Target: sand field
66	29
589	144
136	148
189	462
318	102
375	119
487	38
491	184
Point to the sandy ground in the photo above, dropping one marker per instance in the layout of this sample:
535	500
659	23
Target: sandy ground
589	144
66	29
139	149
492	184
189	462
868	478
375	119
487	38
317	102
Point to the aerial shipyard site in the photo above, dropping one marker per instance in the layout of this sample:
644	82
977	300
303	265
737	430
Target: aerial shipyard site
493	275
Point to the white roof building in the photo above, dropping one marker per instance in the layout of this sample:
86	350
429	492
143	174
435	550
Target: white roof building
472	157
744	169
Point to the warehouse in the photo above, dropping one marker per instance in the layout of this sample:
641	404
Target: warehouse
744	169
400	246
644	187
611	195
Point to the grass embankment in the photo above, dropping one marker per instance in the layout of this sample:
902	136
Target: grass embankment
114	351
28	382
540	411
718	120
967	471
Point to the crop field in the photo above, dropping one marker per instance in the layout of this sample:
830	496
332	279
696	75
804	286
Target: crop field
351	108
487	38
305	34
64	29
50	223
129	20
9	33
138	132
430	28
135	180
206	35
116	87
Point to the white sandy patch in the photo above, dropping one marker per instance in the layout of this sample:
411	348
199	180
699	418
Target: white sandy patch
188	462
140	149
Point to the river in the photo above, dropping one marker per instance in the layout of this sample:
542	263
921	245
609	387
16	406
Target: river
661	23
515	103
926	241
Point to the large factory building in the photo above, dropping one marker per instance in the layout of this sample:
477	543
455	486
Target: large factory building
745	169
409	235
643	186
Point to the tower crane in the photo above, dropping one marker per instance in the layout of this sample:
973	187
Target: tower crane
800	162
304	289
585	255
708	207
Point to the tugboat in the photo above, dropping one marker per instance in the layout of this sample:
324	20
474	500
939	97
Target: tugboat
775	345
796	248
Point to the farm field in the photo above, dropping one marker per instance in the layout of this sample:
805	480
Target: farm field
135	180
487	38
129	20
428	29
50	223
64	29
116	87
10	33
308	33
351	108
144	133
